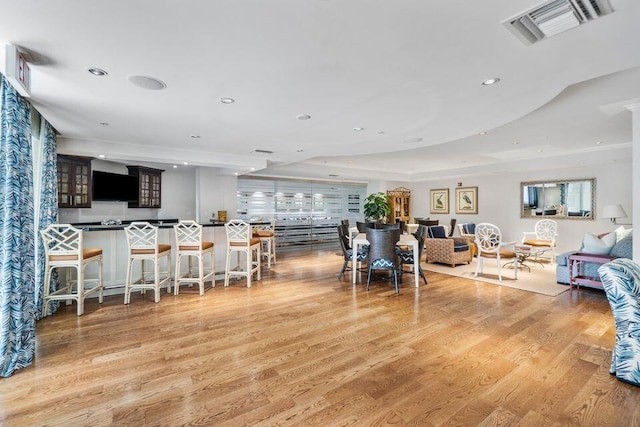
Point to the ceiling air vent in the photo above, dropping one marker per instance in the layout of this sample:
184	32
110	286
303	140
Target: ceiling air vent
262	151
554	17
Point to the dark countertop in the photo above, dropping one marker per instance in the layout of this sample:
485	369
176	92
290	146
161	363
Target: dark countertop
160	223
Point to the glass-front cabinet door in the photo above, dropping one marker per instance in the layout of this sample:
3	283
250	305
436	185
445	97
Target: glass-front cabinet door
74	182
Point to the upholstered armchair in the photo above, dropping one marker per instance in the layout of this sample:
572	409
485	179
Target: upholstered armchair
446	250
621	282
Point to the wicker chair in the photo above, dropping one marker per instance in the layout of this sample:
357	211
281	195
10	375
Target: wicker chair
382	252
347	251
621	282
406	255
362	226
448	250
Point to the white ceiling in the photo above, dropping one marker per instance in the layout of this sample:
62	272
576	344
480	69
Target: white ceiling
403	70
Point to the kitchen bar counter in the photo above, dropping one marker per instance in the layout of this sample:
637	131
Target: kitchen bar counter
160	223
113	242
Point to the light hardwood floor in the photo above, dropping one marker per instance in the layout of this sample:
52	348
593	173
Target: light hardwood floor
302	348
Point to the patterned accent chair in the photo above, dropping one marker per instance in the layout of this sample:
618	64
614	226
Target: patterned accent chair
382	252
621	281
347	251
446	250
406	255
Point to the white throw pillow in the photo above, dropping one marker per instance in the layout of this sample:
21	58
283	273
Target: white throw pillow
622	232
591	244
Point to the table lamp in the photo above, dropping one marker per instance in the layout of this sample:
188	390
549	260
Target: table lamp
613	212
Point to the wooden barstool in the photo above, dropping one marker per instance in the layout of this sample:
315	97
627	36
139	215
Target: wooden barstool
142	239
239	240
63	248
189	243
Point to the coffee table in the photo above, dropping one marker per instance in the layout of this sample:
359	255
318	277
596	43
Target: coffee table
527	254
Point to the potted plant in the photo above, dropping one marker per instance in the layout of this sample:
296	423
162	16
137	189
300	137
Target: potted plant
376	207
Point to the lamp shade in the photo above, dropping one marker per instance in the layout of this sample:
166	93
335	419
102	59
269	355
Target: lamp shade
613	211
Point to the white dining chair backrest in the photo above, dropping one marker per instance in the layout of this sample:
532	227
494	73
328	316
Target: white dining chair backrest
488	238
546	229
62	240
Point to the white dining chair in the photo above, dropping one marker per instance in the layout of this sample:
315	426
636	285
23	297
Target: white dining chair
488	239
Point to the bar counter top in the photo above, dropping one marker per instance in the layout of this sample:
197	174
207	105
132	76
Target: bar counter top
160	223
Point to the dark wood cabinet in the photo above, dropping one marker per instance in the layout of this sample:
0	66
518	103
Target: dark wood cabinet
149	187
74	182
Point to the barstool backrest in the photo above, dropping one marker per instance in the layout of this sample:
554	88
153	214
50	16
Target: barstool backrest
142	236
238	232
62	240
188	234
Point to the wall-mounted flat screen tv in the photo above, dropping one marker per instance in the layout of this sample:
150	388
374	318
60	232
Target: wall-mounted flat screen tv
107	186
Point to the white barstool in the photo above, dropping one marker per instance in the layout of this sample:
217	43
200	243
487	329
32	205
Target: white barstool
63	248
142	239
239	239
266	233
189	243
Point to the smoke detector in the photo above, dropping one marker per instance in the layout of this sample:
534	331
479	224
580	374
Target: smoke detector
554	17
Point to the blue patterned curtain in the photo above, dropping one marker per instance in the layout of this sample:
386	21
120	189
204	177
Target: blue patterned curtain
17	309
46	201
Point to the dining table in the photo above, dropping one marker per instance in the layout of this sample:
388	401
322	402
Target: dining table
405	240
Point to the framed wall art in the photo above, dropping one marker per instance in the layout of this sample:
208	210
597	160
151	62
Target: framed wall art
440	201
467	200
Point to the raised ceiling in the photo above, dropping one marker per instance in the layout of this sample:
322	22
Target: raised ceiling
407	72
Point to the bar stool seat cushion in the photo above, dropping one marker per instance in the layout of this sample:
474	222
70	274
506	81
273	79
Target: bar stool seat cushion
161	248
263	233
251	243
86	254
205	245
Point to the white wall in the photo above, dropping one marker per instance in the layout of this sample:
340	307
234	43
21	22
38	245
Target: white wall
215	192
499	201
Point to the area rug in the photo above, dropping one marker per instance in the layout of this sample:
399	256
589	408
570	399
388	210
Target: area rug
541	279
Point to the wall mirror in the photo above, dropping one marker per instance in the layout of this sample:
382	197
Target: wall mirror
569	199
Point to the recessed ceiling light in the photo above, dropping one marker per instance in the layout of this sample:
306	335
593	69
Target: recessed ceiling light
380	132
539	150
491	81
358	129
101	156
300	150
235	173
146	82
598	142
482	133
227	100
515	143
98	71
195	136
104	124
253	169
175	166
303	117
185	163
412	140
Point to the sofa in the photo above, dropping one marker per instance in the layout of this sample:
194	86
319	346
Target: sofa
622	248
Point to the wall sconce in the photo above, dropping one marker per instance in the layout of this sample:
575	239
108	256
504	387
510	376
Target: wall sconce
613	212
